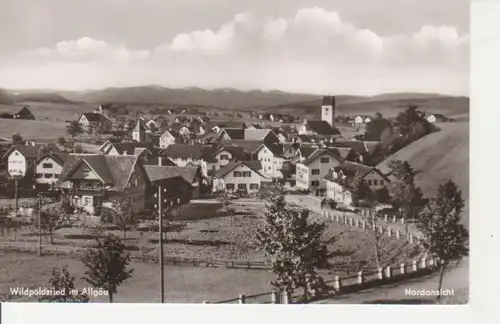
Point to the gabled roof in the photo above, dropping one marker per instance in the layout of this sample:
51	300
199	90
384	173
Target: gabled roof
139	125
322	127
252	165
321	152
126	147
306	151
28	151
248	146
158	173
114	170
234	133
94	117
184	151
276	149
236	151
247	134
351	169
328	101
358	146
57	157
24	112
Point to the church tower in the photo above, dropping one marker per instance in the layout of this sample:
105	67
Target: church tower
328	109
139	131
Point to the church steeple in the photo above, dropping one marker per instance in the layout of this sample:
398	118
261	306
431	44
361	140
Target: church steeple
328	109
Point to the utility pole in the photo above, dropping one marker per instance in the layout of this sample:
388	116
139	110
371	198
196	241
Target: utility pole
160	222
40	224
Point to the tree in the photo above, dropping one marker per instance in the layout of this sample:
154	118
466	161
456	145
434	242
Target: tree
50	221
106	265
74	129
375	128
121	215
294	245
61	141
17	139
444	235
405	194
228	211
63	282
407	118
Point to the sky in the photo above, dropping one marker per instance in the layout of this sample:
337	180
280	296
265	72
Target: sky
316	46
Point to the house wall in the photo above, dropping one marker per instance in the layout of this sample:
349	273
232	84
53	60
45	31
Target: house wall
138	136
271	165
48	174
254	178
310	180
336	192
375	181
166	140
222	162
17	164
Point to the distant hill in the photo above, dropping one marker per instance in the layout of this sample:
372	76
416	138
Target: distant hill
437	157
224	98
352	105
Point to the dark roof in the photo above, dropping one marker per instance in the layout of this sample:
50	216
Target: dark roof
358	146
158	173
114	170
235	133
248	146
238	152
94	117
252	165
320	152
247	134
307	151
183	151
321	127
276	149
328	100
231	124
28	151
24	112
352	168
128	147
58	157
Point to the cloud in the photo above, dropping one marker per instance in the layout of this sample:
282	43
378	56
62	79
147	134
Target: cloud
315	48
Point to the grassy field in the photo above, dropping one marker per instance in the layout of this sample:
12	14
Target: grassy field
440	156
32	129
50	111
207	234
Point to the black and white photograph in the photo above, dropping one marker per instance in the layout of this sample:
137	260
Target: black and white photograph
234	152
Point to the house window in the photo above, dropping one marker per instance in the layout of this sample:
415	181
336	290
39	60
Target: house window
369	182
87	201
254	186
381	182
47	165
16	153
56	176
47	176
247	174
242	186
315	171
375	182
38	175
315	183
237	174
325	160
230	186
224	157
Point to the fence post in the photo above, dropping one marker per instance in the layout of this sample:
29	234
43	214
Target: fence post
423	263
389	232
414	266
411	238
394	219
336	283
388	272
381	229
402	221
360	277
351	221
357	222
398	234
284	298
241	299
402	268
273	297
379	273
363	224
385	218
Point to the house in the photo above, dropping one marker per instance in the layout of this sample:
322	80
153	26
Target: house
437	118
140	132
271	157
184	183
241	176
311	170
143	150
229	153
21	159
94	181
94	122
263	135
318	128
168	137
180	129
207	138
362	149
183	154
48	167
348	171
24	113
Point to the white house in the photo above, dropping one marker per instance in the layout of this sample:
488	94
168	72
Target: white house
311	170
242	176
21	159
92	122
436	118
271	157
48	167
167	138
189	155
